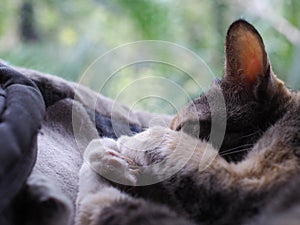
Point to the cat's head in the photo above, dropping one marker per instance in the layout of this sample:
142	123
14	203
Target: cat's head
254	97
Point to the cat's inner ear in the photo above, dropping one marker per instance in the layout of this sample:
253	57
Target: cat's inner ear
246	58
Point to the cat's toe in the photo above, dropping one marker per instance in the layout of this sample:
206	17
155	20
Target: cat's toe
111	164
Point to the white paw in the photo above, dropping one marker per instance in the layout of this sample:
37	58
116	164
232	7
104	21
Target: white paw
148	147
104	158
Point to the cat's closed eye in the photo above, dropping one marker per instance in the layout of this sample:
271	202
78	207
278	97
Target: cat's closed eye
196	128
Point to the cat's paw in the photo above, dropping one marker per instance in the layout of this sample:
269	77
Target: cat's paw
162	152
105	159
149	147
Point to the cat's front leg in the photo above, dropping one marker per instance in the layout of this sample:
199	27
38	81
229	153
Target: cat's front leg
98	203
148	157
161	152
121	161
95	194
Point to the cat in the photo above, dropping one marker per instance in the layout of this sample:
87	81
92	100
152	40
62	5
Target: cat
192	181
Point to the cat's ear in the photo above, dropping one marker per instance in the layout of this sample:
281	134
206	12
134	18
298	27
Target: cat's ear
246	59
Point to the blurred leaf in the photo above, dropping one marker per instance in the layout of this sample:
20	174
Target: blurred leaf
74	34
150	16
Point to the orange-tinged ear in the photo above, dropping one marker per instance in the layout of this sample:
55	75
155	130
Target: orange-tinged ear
246	58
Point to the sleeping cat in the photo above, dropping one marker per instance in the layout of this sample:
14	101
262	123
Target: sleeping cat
192	181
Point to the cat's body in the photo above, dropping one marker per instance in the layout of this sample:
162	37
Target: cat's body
199	183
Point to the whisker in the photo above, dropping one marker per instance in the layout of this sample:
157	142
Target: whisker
251	134
233	152
238	147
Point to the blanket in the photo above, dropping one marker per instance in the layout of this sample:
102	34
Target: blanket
46	124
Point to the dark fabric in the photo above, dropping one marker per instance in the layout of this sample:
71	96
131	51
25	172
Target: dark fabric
52	94
23	101
106	128
21	112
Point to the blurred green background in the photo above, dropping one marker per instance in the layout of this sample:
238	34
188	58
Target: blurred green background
65	37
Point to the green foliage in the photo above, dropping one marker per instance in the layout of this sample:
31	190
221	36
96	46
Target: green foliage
151	17
75	33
